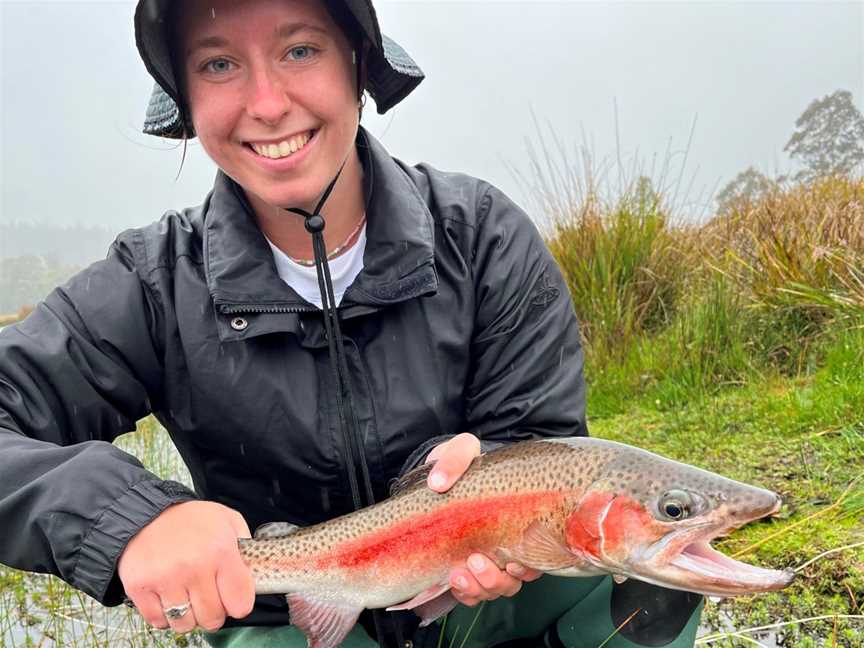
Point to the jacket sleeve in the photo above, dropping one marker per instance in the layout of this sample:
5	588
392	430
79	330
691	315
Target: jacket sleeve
526	355
74	375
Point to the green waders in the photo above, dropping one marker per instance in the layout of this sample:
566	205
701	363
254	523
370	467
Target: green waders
548	613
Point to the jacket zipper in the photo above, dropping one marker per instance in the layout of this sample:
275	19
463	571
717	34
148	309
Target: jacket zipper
242	308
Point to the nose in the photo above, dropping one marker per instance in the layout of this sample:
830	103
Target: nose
268	97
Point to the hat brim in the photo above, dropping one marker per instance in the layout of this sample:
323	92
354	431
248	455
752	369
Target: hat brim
391	73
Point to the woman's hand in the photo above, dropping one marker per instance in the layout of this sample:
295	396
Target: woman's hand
189	554
480	579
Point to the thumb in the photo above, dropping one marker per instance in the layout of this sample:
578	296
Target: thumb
453	459
238	523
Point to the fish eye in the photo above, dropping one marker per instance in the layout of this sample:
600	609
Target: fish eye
674	510
675	505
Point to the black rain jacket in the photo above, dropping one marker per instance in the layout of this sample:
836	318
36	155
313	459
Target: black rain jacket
460	321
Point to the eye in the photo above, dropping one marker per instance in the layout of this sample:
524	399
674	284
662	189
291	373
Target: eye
674	510
217	66
301	52
676	505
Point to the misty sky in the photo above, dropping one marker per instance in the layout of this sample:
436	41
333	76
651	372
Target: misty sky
73	93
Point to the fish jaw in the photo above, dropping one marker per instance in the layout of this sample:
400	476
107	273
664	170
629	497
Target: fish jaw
620	535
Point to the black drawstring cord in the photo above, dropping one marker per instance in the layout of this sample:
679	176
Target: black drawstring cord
314	224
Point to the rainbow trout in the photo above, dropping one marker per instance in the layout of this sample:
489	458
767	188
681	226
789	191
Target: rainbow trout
569	507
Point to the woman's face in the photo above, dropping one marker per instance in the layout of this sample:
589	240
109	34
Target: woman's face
271	88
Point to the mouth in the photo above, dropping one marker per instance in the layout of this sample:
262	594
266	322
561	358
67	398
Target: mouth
710	572
284	148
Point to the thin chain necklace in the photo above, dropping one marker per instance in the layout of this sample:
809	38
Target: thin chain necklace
348	242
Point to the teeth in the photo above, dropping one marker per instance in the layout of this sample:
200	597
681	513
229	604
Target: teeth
282	149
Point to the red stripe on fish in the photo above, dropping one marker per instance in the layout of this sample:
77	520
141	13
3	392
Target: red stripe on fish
461	522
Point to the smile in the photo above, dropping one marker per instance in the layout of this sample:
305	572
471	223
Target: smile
285	148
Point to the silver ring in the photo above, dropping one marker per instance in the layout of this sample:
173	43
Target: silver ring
176	611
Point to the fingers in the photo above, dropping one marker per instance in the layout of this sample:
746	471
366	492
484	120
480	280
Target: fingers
175	597
236	587
525	574
452	459
189	554
238	523
207	606
150	607
482	581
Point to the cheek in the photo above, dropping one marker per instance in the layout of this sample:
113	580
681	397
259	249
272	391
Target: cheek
610	526
212	115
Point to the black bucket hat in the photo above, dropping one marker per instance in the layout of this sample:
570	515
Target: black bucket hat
391	73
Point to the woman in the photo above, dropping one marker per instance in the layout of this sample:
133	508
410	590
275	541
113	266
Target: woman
326	320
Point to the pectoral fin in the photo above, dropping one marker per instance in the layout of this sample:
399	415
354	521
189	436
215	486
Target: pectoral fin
436	608
431	603
541	549
325	624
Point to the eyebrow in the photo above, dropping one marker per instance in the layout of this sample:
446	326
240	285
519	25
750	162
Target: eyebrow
283	31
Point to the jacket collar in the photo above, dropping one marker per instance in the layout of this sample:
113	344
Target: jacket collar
398	261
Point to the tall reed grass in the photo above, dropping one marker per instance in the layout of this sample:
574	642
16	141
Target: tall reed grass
672	309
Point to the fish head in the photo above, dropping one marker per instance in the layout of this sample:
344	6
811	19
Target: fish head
653	519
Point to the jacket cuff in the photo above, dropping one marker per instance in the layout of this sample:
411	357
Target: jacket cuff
95	572
418	457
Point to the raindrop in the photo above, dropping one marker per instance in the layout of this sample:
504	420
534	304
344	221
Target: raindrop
277	490
242	450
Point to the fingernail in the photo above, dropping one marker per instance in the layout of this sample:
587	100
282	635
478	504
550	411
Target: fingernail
516	569
476	563
437	480
462	582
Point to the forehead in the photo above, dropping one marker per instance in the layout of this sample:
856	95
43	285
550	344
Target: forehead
199	18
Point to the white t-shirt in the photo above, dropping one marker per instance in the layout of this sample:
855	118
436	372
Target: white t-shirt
304	280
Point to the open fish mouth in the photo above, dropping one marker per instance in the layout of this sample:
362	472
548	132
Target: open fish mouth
711	572
686	560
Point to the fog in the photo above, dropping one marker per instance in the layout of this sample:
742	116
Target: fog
721	82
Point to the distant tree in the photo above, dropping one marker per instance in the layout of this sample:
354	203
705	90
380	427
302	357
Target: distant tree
829	137
645	198
747	187
28	279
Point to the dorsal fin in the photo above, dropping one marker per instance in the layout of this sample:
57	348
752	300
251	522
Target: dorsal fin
274	530
410	479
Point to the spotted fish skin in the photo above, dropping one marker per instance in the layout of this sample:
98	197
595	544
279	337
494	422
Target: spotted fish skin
573	507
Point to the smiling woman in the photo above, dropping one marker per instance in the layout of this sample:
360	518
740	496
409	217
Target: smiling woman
434	326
